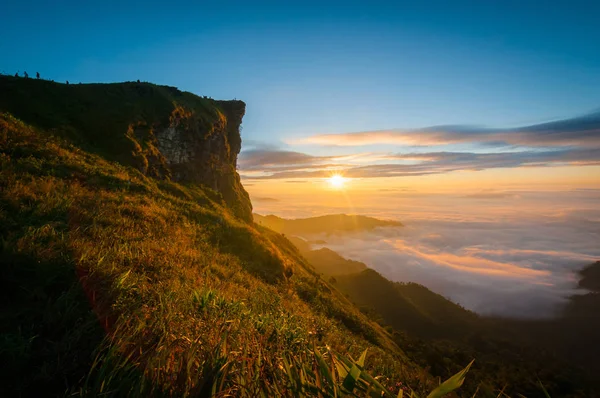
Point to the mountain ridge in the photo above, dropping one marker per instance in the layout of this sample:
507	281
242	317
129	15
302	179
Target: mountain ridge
331	223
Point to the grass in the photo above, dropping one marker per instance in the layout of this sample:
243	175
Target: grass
113	281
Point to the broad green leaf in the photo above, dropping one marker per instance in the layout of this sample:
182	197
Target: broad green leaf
451	384
351	379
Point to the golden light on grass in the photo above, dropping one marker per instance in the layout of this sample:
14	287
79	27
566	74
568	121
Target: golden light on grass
337	181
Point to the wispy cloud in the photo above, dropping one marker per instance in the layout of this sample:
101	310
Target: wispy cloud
573	141
417	164
579	131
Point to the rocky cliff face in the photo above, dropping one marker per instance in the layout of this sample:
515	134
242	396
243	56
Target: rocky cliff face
206	153
161	131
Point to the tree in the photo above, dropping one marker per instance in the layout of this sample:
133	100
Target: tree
26	75
17	74
37	75
67	82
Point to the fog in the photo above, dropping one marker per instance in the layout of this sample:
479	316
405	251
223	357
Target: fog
513	254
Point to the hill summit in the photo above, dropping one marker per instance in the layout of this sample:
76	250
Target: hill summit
161	131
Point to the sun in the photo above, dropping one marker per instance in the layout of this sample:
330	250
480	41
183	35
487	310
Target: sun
337	181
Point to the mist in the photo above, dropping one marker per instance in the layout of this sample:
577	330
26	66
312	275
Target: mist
507	254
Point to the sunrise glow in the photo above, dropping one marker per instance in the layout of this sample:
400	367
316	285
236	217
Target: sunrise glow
337	181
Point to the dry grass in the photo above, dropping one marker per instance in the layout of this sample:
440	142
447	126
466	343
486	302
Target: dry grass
118	282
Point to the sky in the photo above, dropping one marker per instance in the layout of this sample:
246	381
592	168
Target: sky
430	87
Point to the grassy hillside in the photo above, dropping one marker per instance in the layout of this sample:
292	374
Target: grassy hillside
117	283
178	285
332	223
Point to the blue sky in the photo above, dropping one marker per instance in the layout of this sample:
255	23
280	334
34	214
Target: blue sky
318	68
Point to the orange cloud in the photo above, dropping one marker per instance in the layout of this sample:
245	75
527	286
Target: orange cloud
475	265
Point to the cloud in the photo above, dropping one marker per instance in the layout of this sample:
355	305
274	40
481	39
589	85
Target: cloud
579	131
492	194
415	164
503	268
262	158
574	141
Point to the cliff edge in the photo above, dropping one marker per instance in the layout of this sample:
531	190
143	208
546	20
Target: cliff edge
161	131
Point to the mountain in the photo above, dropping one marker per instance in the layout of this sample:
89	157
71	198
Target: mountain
326	261
328	224
590	277
160	131
407	307
130	265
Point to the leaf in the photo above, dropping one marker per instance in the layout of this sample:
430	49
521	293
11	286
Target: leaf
324	368
342	369
361	360
351	379
451	384
544	389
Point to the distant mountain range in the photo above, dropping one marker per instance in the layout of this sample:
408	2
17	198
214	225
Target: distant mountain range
333	223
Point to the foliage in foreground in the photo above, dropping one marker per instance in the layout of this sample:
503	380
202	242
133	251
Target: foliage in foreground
316	372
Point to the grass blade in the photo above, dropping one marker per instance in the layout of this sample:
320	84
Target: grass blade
451	384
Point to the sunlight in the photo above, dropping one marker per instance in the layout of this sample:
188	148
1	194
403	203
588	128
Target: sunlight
337	181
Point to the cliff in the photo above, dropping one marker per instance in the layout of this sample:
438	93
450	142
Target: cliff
162	132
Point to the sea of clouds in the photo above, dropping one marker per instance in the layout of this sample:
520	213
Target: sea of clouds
510	254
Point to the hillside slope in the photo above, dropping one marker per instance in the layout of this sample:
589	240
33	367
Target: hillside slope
116	280
407	307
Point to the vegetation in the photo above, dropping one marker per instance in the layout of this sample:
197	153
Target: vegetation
114	281
327	261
